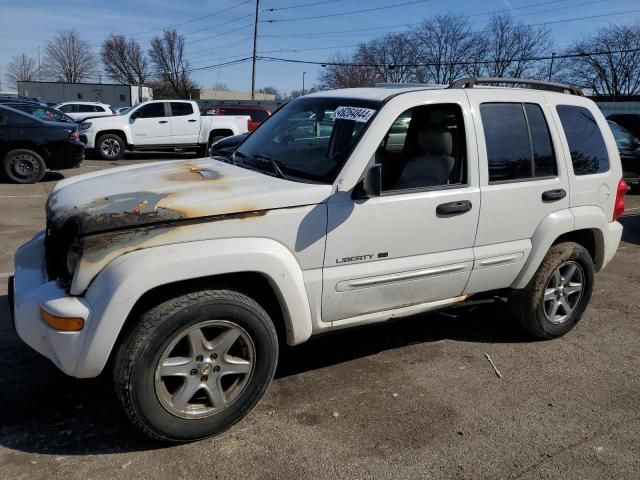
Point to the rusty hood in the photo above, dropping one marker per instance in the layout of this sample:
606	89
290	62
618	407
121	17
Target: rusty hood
164	192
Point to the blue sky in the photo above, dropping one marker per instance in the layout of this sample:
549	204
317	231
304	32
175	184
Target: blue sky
226	33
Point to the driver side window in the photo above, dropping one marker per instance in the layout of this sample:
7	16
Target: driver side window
424	148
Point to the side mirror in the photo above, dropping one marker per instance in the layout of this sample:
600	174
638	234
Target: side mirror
371	185
134	115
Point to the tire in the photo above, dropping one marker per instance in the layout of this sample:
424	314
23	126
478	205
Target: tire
23	166
154	402
558	294
110	147
215	139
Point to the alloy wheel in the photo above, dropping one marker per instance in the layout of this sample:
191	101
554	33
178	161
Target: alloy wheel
110	147
563	292
204	369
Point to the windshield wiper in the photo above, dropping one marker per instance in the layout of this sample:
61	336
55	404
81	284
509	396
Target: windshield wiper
274	163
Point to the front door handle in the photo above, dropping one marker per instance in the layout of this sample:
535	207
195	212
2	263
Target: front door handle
192	120
553	195
453	208
163	121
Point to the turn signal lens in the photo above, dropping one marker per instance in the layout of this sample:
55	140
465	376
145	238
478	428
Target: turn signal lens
64	324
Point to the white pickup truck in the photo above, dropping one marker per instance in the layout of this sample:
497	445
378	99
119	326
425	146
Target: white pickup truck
158	125
346	208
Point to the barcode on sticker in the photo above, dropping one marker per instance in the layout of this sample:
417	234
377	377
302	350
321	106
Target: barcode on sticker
353	113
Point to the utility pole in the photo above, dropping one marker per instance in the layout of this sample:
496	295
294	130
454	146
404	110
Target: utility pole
303	74
553	56
255	45
39	67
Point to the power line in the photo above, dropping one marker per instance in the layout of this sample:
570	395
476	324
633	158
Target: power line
342	33
276	9
468	62
220	34
584	18
220	65
218	25
352	12
193	20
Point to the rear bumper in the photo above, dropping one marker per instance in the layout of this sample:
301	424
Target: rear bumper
612	234
32	292
68	155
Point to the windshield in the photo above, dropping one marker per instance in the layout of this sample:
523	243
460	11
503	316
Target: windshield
309	139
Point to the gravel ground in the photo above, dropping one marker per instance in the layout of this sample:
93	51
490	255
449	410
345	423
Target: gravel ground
415	398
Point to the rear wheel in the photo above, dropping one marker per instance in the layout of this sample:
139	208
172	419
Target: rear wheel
110	147
24	166
558	294
196	364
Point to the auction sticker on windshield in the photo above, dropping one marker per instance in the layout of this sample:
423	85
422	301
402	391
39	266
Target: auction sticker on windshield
353	113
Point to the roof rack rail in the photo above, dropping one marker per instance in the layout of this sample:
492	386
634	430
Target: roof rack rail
535	84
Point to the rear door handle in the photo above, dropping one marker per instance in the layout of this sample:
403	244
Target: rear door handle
192	120
453	208
163	121
553	195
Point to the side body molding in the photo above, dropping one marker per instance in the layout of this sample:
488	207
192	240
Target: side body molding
116	289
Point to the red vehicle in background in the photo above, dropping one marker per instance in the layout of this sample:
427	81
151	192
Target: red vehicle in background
257	114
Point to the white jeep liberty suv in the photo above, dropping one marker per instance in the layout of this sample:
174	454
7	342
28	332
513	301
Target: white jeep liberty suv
345	208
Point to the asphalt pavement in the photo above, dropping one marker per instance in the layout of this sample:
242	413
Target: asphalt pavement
414	398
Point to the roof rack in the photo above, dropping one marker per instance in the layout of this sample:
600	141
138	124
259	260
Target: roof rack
534	84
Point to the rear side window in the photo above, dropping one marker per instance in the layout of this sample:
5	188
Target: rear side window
179	109
11	118
151	110
588	150
518	142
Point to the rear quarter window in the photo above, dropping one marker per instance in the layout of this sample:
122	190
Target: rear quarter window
588	151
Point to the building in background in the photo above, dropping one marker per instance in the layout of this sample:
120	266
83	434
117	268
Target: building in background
208	98
110	93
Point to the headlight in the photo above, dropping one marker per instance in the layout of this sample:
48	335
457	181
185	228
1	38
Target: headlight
73	257
85	126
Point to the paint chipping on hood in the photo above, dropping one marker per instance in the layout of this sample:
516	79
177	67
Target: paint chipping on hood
164	192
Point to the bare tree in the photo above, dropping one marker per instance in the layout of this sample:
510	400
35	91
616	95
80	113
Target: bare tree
21	68
392	57
221	87
170	64
444	43
68	58
124	61
608	63
343	71
511	46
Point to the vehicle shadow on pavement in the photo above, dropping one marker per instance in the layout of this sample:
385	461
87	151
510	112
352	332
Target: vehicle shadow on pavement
631	231
484	324
43	411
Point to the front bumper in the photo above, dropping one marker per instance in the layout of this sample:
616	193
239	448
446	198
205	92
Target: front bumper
33	292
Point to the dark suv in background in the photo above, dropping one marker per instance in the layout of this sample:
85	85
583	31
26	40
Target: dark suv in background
629	149
29	146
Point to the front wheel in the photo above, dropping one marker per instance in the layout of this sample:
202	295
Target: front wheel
110	147
195	365
558	294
